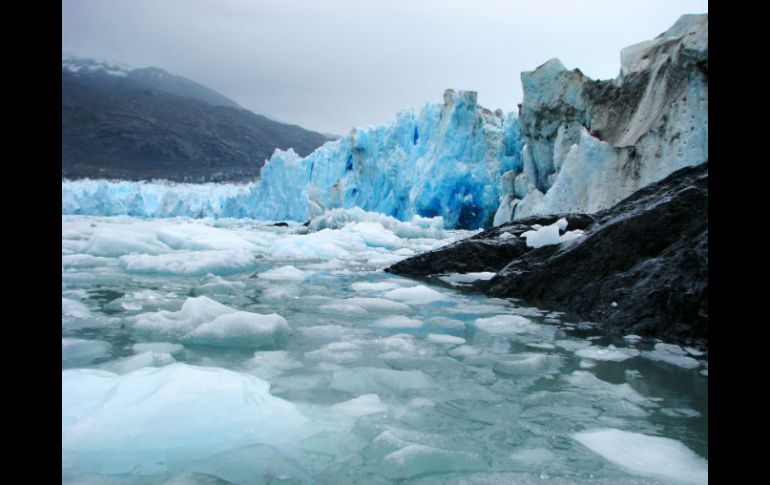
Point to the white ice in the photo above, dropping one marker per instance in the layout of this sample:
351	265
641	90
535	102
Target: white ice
644	455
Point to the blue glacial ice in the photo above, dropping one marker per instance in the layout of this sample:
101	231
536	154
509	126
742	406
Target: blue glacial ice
447	161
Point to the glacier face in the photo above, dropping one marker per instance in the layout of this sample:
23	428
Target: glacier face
447	161
578	145
589	144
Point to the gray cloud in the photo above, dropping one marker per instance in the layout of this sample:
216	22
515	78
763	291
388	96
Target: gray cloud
329	65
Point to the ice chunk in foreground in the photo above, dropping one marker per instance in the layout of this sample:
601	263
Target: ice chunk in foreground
241	329
649	456
204	321
415	295
112	423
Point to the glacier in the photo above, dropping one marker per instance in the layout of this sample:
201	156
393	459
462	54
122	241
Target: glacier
576	145
445	161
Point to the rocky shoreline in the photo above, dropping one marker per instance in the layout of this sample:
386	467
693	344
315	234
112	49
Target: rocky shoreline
641	266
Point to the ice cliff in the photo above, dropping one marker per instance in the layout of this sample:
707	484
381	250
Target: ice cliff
578	145
591	143
446	161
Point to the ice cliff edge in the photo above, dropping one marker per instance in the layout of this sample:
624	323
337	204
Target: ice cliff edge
589	144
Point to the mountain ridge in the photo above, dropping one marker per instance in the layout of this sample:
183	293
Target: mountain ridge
144	124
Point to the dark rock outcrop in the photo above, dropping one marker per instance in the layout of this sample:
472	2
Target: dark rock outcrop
147	124
642	266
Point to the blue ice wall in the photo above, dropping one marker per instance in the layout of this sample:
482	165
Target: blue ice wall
447	161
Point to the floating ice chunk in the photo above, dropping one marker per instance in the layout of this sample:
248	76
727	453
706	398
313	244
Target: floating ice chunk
542	345
241	329
398	321
362	405
138	361
75	309
284	273
592	384
587	364
375	235
464	351
466	278
370	379
343	308
174	325
116	242
398	453
608	354
416	295
573	345
632	339
418	227
267	364
337	353
157	347
680	412
201	237
76	351
649	456
505	236
83	261
334	333
213	282
219	262
362	286
379	305
505	325
671	354
445	339
416	459
633	374
281	292
113	423
694	352
670	348
527	364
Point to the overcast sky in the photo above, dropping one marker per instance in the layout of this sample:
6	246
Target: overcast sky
330	65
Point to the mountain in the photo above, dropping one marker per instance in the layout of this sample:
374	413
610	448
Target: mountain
142	124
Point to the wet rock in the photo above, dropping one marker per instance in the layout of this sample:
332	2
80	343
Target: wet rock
641	268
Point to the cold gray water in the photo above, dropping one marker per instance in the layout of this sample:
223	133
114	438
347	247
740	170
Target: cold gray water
232	351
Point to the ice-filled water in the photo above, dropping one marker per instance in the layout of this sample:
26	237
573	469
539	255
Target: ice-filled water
231	351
